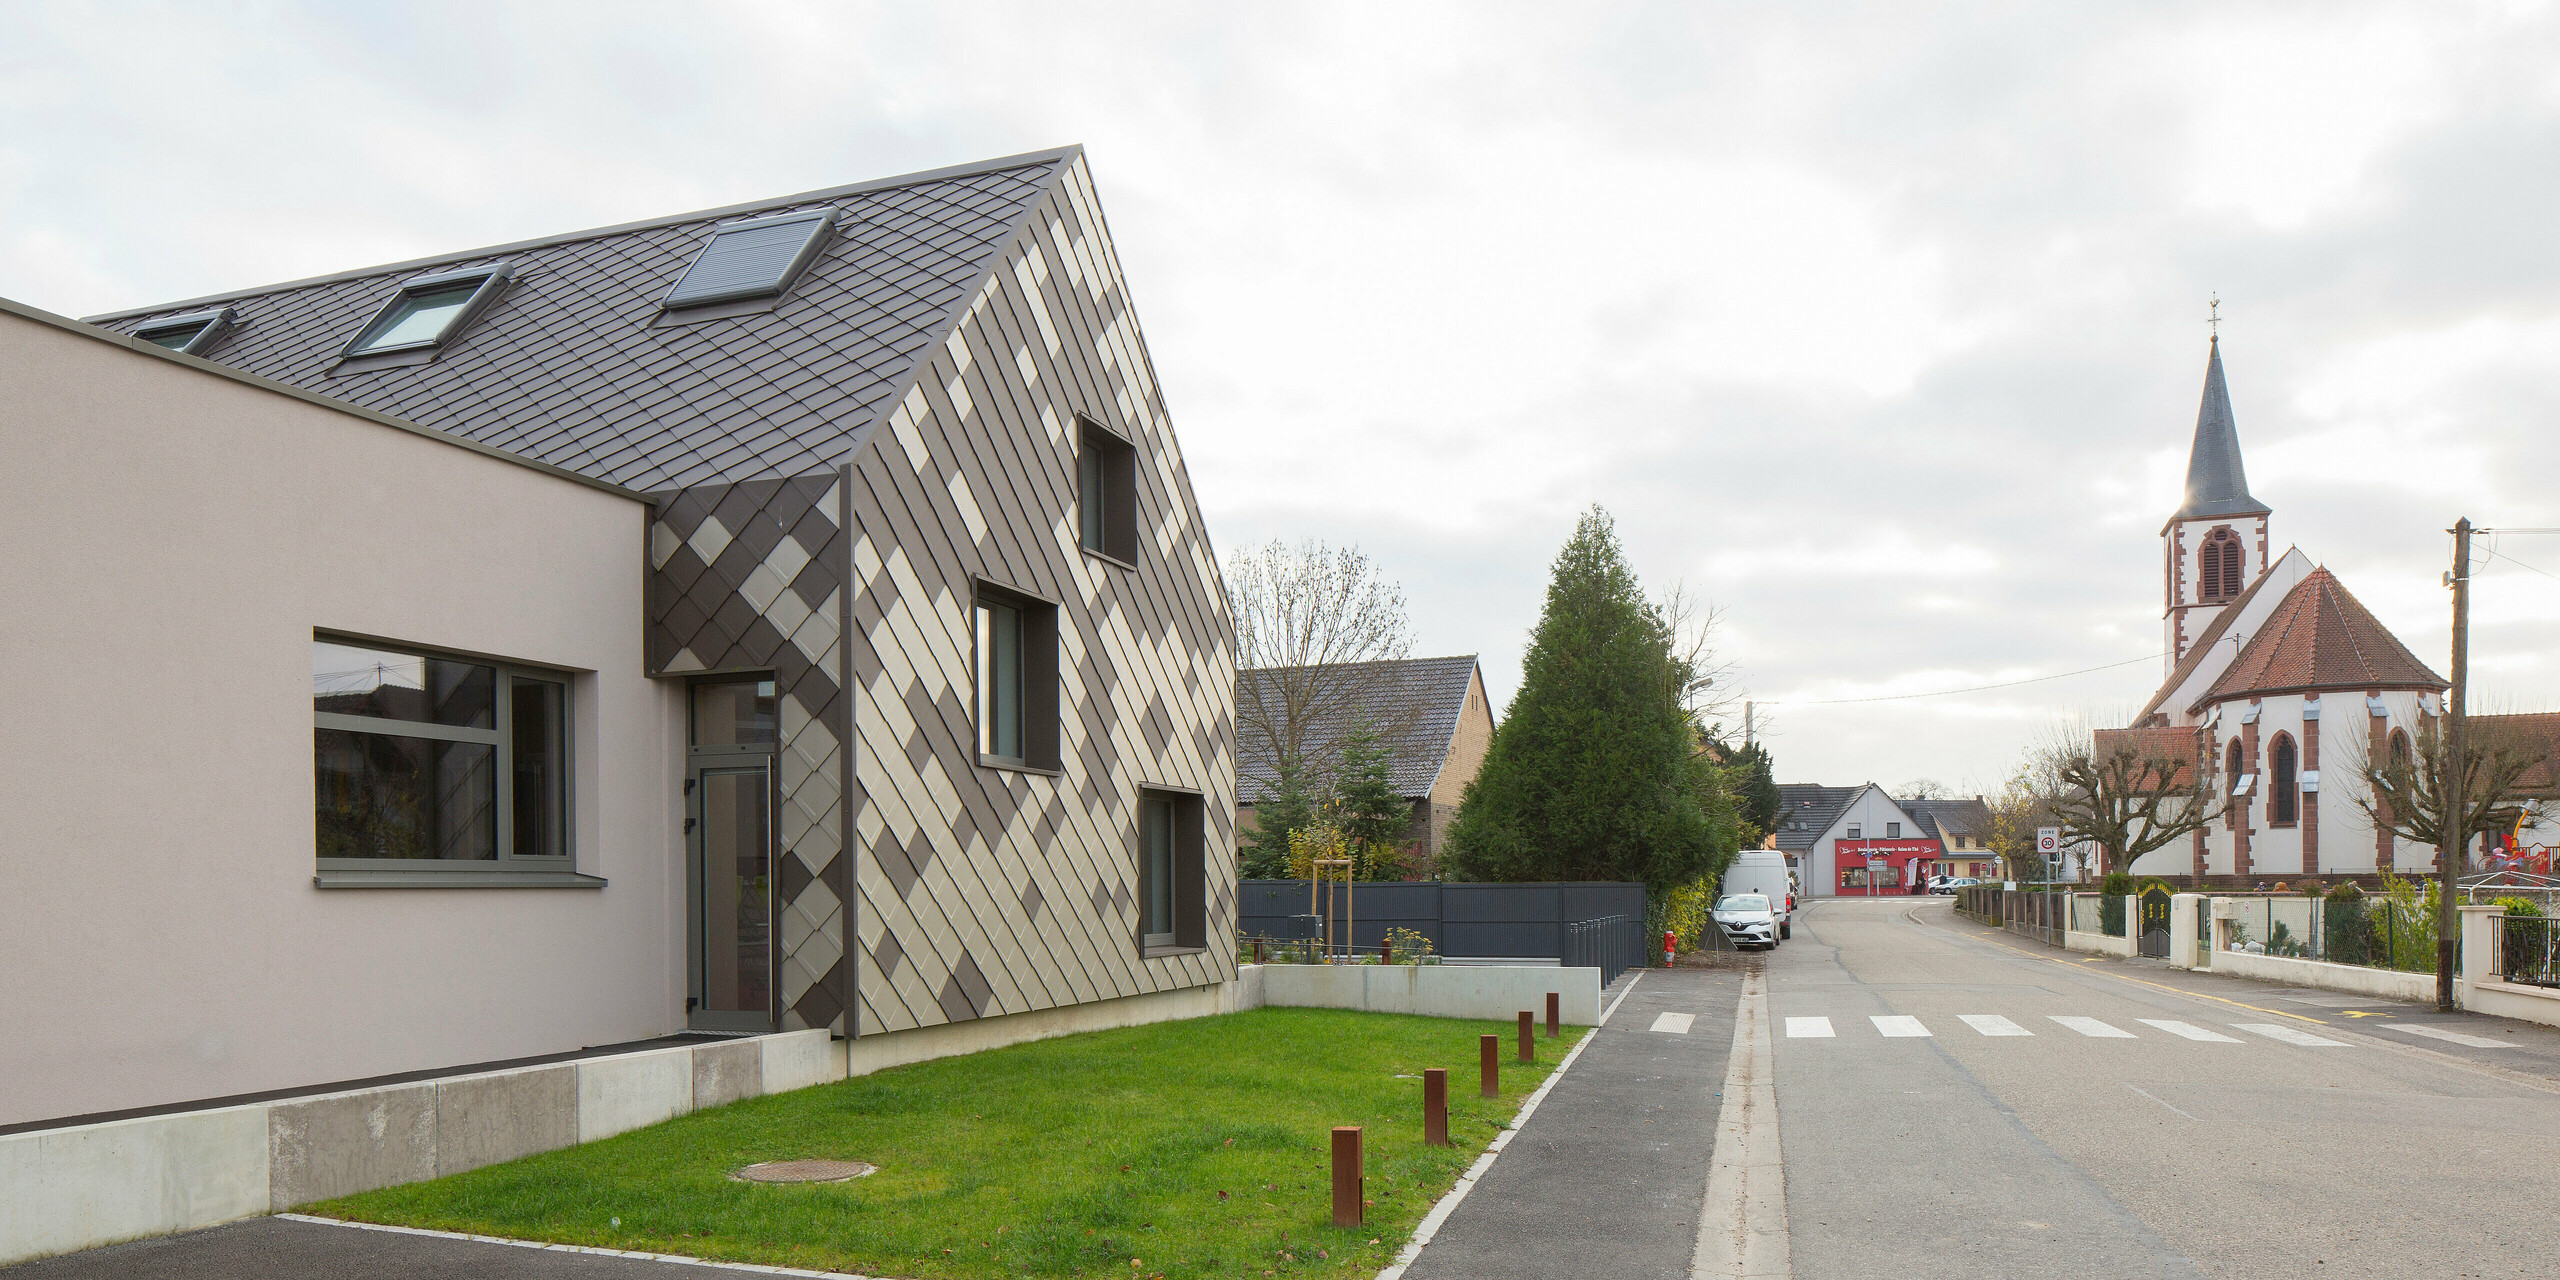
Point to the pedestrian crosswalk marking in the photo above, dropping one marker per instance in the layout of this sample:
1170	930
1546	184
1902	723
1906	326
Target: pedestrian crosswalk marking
2455	1037
1897	1025
2093	1028
1675	1023
2272	1031
1992	1024
2188	1030
1808	1028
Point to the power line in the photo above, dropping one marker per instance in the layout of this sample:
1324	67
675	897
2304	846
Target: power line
2496	554
1940	693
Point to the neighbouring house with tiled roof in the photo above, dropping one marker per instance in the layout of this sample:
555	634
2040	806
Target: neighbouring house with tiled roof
787	616
1432	714
2281	685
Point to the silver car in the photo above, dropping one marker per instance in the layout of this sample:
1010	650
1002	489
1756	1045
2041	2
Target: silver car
1747	921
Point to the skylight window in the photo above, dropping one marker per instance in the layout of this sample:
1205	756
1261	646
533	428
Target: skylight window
189	334
428	311
753	259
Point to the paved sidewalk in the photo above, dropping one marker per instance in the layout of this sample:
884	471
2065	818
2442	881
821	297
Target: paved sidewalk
282	1249
2527	1048
1608	1177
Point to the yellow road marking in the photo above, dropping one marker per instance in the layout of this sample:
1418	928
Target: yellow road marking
2236	1004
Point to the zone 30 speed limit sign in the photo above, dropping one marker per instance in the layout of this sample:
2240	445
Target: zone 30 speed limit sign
2048	840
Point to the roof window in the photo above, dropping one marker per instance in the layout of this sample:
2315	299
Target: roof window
189	334
428	311
753	259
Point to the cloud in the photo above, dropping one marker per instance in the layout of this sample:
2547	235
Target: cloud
1880	325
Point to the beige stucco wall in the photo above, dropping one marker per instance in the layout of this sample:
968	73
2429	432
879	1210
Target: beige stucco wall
173	538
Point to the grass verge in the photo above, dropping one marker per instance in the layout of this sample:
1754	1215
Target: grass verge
1183	1149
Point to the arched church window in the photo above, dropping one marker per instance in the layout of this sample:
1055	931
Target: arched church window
2231	779
2231	761
2283	799
2218	565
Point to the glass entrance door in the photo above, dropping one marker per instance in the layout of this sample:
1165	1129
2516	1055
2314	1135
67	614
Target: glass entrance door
735	891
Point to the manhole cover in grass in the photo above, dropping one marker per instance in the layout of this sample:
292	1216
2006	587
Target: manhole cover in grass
805	1171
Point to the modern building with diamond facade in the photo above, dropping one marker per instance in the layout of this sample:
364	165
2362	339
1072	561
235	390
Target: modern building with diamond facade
785	616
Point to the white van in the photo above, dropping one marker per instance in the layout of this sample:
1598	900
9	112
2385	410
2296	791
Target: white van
1764	872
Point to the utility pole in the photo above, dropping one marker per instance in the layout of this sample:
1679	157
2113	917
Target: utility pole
1746	725
2453	824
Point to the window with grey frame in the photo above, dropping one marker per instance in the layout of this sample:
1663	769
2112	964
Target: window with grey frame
427	312
425	762
1172	871
1016	657
1106	492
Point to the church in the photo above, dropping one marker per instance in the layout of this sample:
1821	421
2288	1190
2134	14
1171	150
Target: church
2278	678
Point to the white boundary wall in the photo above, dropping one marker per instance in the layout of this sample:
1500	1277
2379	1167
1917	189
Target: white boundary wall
1485	992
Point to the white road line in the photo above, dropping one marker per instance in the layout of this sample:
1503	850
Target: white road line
571	1248
1742	1228
1622	999
1675	1023
2451	1037
1897	1026
1992	1024
2276	1031
2185	1030
1809	1029
2138	1090
2093	1028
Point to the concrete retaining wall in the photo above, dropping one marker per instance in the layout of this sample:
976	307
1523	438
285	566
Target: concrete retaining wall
2354	979
1496	992
2512	1000
2099	944
80	1187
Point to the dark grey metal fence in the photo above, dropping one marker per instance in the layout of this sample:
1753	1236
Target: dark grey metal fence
1463	921
2529	950
1611	944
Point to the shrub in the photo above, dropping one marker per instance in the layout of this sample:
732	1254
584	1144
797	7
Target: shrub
2349	933
2520	906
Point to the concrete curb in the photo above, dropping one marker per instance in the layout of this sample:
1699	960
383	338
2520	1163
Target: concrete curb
678	1258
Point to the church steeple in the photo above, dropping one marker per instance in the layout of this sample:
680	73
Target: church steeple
2216	485
2216	544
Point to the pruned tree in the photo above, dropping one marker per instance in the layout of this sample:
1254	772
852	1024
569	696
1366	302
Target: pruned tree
2127	791
1313	623
2412	796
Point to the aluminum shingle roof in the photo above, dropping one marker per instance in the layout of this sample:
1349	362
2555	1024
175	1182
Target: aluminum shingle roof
1425	694
573	366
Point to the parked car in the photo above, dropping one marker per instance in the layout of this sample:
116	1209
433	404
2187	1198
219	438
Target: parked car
1748	920
1764	872
1949	884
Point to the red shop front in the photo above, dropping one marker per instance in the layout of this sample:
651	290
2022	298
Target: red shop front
1874	867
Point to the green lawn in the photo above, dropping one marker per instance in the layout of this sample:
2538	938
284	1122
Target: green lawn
1195	1148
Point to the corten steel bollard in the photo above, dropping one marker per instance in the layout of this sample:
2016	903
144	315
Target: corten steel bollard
1435	1106
1346	1175
1528	1047
1555	1011
1490	1048
1386	952
1257	951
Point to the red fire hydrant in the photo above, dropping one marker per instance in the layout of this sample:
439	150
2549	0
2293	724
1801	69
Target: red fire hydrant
1670	944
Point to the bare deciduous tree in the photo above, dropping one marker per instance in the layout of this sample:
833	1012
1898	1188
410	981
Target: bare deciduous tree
1711	694
1922	789
2408	795
1312	623
2129	792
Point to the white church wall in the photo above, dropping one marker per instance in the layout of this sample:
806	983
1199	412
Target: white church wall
2290	568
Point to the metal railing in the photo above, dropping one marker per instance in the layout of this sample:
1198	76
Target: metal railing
2529	950
1611	944
2378	931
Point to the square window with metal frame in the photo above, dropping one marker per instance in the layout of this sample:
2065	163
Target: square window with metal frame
434	764
1172	887
1106	493
1017	679
428	312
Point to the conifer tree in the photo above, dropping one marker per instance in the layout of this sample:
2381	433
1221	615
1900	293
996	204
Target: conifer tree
1755	786
1289	805
1366	803
1596	772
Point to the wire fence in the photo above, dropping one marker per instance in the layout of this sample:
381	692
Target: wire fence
2380	931
2529	950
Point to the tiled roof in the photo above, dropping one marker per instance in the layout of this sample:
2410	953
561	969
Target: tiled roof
2204	646
1943	818
2536	734
1807	809
2216	485
1425	695
2320	637
566	366
2156	742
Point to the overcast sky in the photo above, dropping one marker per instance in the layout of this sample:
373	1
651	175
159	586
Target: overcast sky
1881	326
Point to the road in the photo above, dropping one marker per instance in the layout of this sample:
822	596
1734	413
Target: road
1952	1125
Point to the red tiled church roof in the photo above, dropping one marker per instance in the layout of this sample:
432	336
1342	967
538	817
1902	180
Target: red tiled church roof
2320	637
